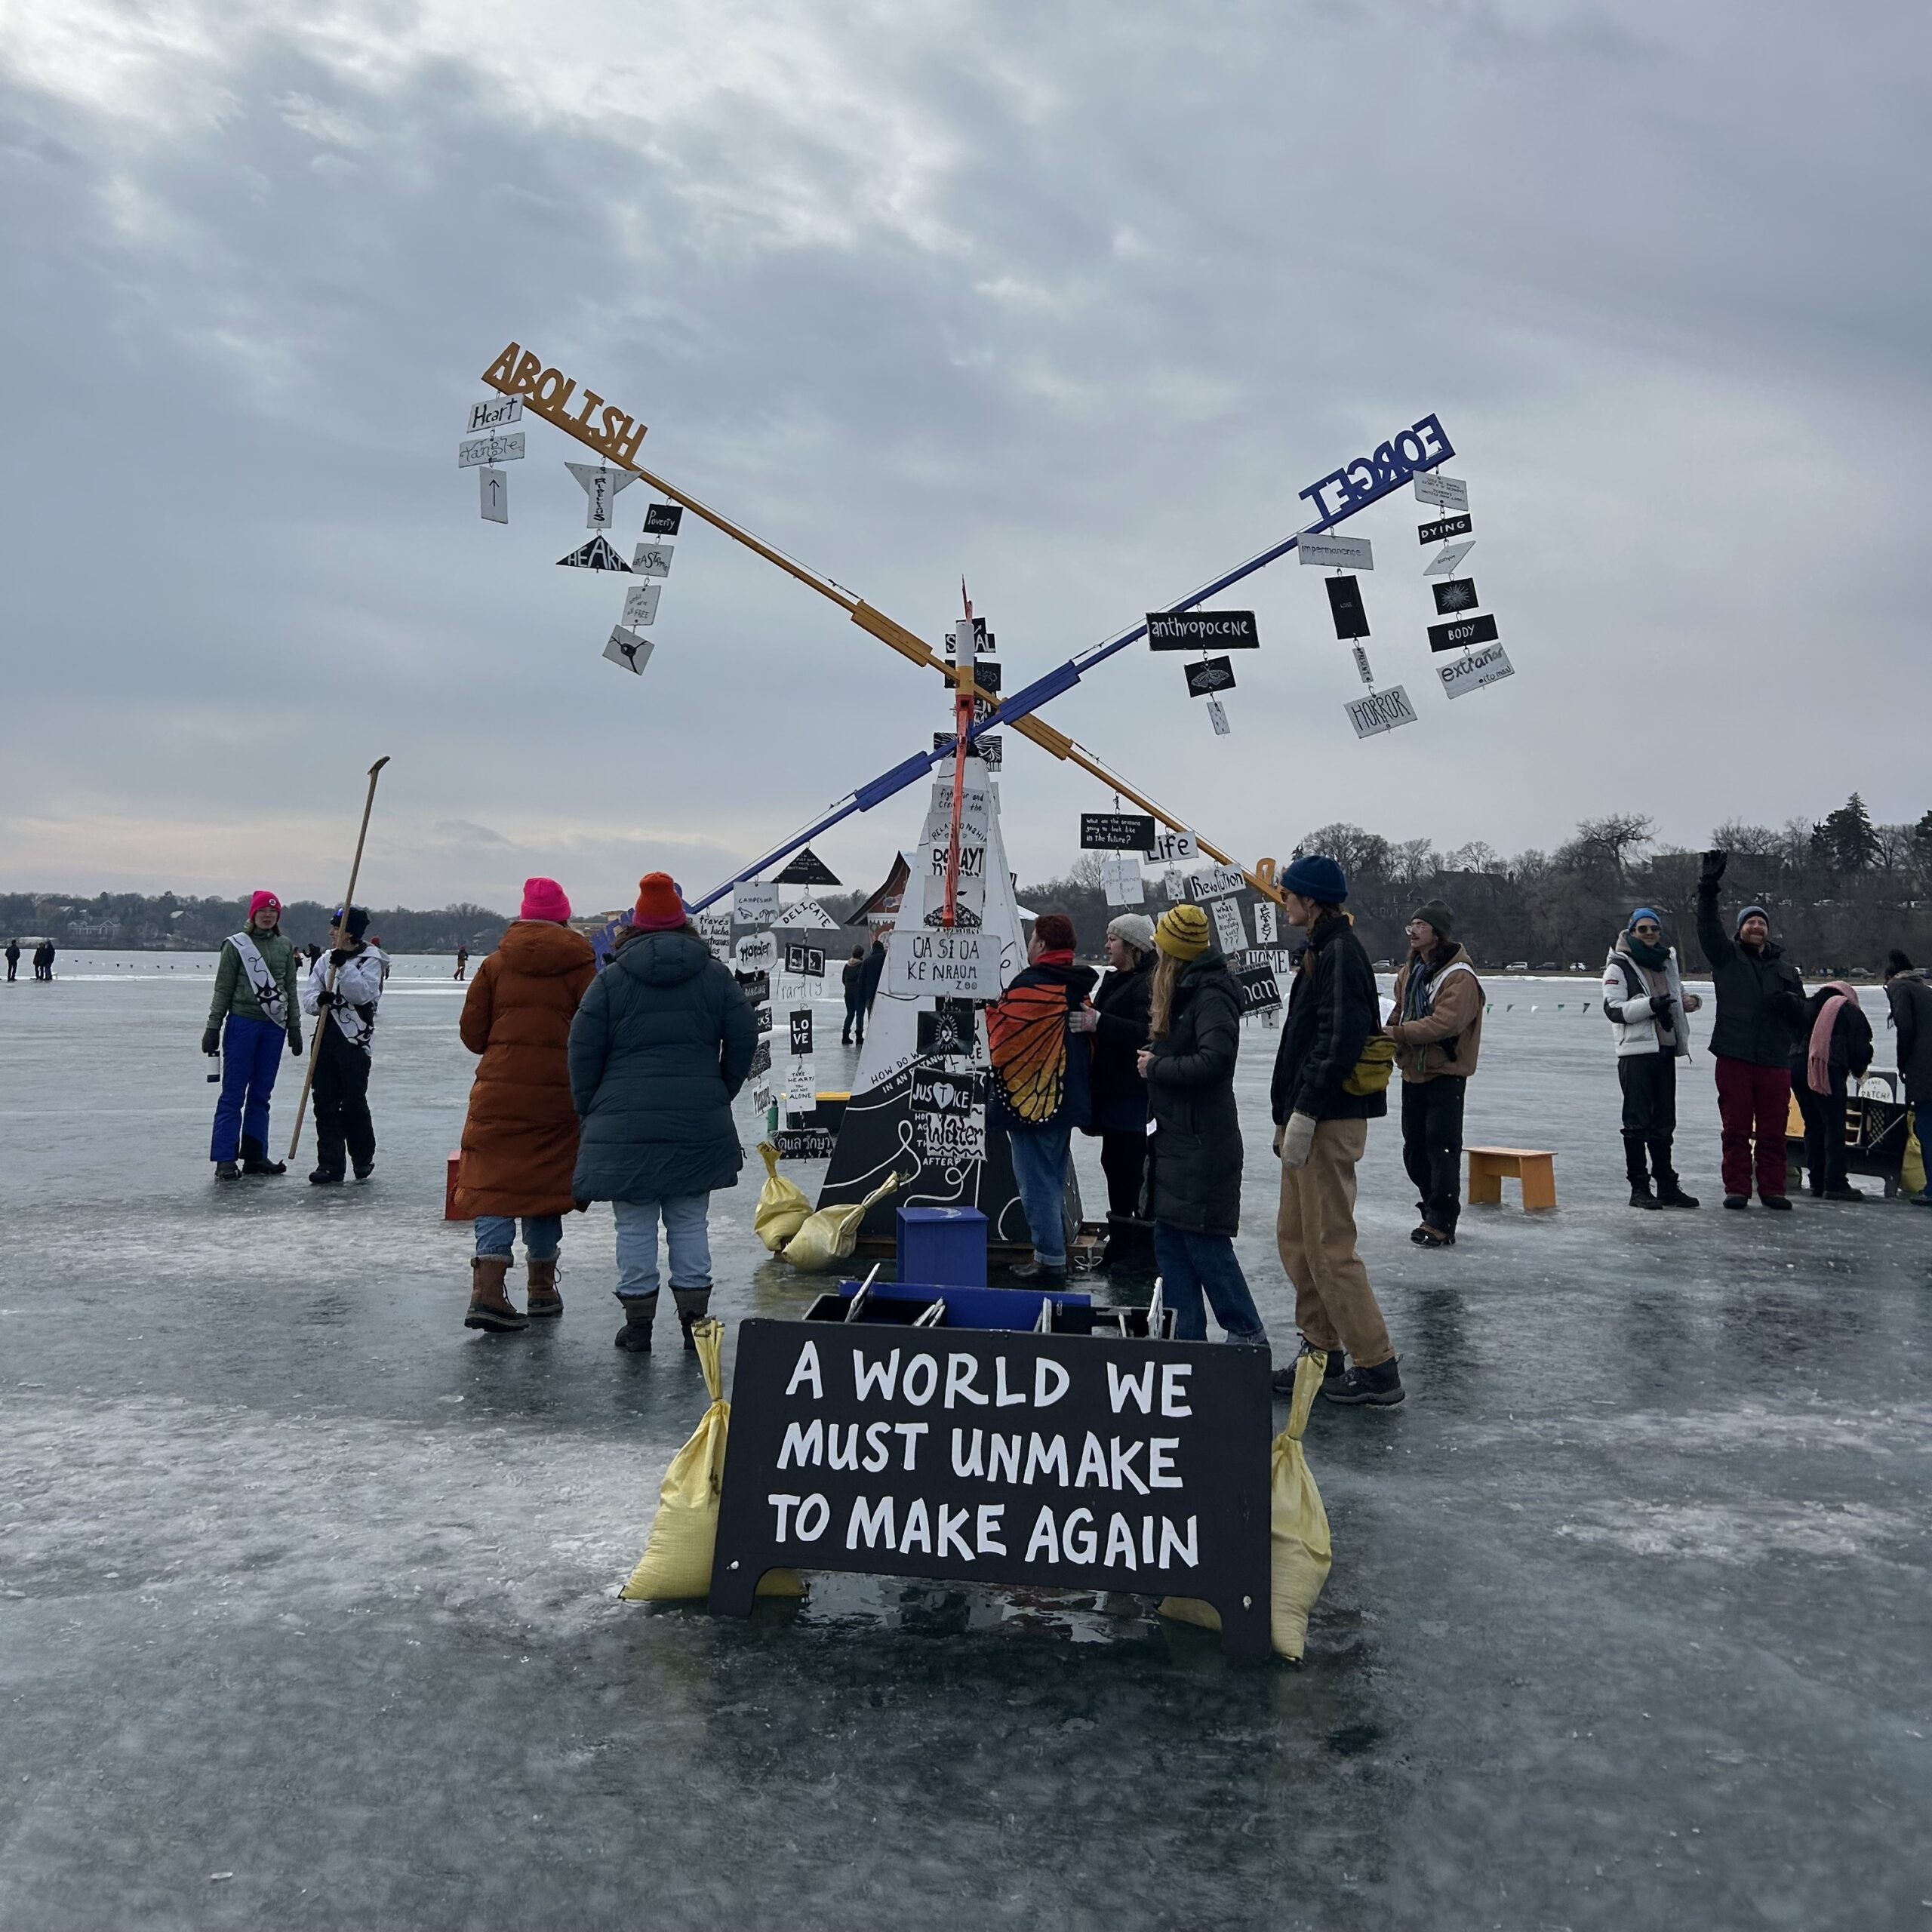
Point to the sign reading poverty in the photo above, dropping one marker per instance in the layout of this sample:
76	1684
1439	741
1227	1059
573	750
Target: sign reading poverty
1064	1461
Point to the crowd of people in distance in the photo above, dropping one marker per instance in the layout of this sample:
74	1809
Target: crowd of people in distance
42	961
617	1085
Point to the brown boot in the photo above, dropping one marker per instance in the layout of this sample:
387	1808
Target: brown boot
544	1298
490	1307
694	1304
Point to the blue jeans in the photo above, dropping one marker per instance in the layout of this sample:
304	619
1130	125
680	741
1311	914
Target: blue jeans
543	1235
251	1052
686	1234
1039	1168
1190	1262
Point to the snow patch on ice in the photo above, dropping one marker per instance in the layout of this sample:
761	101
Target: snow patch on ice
1722	1533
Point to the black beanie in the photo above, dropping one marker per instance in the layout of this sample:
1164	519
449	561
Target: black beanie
1438	916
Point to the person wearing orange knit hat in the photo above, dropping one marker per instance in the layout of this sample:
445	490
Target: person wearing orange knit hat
658	1051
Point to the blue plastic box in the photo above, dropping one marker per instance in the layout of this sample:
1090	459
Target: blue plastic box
976	1307
947	1245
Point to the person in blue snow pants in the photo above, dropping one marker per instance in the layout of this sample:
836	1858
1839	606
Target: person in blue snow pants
251	1052
254	1015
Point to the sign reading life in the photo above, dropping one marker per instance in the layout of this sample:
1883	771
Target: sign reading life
1056	1459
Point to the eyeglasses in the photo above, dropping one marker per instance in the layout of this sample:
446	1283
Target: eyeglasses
1646	930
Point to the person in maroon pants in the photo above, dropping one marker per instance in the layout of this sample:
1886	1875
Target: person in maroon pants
1760	1008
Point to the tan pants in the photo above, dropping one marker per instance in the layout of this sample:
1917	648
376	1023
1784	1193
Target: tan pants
1335	1307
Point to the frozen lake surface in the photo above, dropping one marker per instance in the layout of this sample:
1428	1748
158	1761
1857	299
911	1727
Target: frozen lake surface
307	1595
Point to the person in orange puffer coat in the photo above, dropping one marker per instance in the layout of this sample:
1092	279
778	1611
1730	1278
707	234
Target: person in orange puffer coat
520	1136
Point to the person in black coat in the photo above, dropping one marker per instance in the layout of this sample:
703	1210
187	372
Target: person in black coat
1910	998
855	1002
1834	1050
1118	1020
870	973
1195	1022
658	1051
1323	1103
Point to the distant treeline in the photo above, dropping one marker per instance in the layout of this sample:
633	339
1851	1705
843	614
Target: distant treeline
1841	891
132	921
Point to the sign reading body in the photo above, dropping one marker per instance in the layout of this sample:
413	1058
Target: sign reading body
1116	831
1462	674
1058	1460
1464	630
1380	711
1202	630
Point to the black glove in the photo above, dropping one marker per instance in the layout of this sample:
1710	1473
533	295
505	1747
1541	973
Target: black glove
211	1040
1659	1006
340	957
1713	869
294	1046
325	999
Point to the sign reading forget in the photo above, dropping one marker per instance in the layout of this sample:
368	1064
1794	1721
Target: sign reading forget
1422	446
1064	1461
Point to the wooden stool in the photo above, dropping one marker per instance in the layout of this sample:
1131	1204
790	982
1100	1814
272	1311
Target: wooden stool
1531	1165
450	1173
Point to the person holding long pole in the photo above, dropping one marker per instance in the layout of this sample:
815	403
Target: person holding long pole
344	986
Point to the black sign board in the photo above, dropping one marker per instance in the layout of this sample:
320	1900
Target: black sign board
1116	831
948	1032
803	962
762	1016
1210	675
1258	988
756	987
1345	603
802	1030
1454	594
805	1143
1464	630
1069	1462
1446	526
991	747
761	1058
986	674
807	868
948	1117
1202	630
662	519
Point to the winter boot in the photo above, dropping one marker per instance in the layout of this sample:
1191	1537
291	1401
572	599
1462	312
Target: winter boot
1037	1273
1669	1194
326	1177
1430	1235
1847	1192
694	1304
640	1312
1332	1372
1381	1386
255	1159
1781	1202
363	1169
1638	1174
1640	1195
489	1306
225	1171
543	1300
1744	1201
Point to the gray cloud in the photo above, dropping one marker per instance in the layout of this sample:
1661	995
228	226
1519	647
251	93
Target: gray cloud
1072	300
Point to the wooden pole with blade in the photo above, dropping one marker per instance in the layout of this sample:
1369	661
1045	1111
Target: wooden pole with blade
322	1018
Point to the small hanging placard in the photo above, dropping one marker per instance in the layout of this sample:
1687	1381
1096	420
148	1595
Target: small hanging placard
1464	631
651	559
755	902
1202	630
1440	532
475	450
1218	716
492	486
1333	552
1446	493
627	648
1116	831
597	554
802	1030
1463	674
807	867
1443	563
1345	603
662	519
1458	594
1381	711
641	603
1209	676
600	485
499	412
1362	664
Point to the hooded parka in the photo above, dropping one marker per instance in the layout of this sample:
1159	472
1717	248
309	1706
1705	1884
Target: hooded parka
658	1051
1191	1094
520	1136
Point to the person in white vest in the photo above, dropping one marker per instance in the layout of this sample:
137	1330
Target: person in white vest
250	1018
344	984
1645	1000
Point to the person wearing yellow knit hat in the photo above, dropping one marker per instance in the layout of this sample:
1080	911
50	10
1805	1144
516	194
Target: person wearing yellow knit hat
1194	1030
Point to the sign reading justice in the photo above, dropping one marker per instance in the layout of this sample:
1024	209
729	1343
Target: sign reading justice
1062	1460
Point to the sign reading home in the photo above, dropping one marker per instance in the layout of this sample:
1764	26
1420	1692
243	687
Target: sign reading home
1063	1461
1202	630
1116	831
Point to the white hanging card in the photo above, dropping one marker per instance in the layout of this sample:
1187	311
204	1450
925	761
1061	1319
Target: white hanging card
1267	922
627	648
1446	493
651	559
600	485
755	902
1382	712
641	603
1227	927
1334	553
1217	883
1218	716
493	487
474	450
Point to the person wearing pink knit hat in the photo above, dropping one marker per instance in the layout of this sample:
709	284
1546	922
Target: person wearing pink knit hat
520	1135
255	1012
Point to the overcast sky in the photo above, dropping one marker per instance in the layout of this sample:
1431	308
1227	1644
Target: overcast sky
1071	299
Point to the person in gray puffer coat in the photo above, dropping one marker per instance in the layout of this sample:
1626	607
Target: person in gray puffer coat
658	1051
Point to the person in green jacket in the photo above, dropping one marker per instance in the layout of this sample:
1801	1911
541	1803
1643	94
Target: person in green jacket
254	1009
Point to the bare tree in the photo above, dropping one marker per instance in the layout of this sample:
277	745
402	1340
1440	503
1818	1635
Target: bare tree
1414	860
1612	840
1359	854
1478	856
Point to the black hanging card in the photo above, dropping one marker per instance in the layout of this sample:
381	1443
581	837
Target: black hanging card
1454	594
1210	675
1345	602
1463	631
662	519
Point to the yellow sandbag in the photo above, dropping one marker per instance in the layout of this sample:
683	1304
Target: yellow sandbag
1298	1553
832	1233
676	1561
783	1204
1911	1173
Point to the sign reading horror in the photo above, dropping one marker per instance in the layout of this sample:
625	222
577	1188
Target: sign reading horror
1060	1460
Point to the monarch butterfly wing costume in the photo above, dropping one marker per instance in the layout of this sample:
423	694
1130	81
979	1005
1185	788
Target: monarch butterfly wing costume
1026	1042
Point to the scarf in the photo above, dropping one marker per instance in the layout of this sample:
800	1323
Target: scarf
1418	989
1818	1059
1657	957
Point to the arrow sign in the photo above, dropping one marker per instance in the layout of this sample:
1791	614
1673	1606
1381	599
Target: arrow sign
626	648
474	450
595	555
600	486
493	488
1464	631
1345	602
662	519
1458	594
1116	831
1446	493
1201	630
1209	676
1450	526
1382	711
1443	563
807	868
1341	553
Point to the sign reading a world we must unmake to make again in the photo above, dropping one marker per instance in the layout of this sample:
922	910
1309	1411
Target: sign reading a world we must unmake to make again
1056	1460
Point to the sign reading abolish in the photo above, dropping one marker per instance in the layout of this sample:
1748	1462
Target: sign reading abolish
1116	831
1060	1460
549	392
1422	446
1201	630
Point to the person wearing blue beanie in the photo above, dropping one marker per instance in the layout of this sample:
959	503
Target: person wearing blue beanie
1315	876
1642	913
